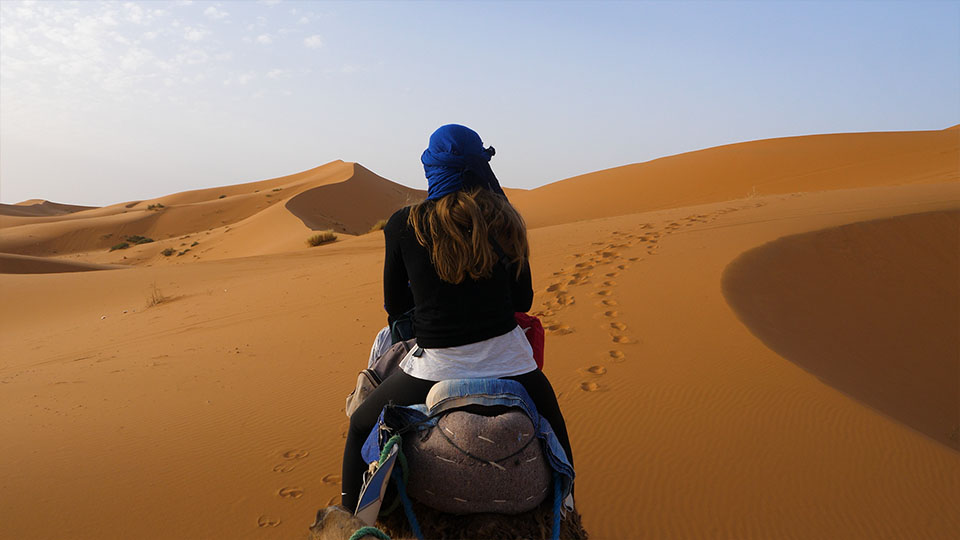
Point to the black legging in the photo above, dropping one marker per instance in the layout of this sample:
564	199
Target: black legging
402	389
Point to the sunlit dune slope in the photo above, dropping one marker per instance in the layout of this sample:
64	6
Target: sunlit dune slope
279	214
215	411
771	166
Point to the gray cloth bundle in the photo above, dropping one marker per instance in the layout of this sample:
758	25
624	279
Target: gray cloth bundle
469	463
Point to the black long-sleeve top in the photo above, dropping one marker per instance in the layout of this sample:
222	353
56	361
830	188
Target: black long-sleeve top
447	315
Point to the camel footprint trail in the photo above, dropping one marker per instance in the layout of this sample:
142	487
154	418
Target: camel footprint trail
617	253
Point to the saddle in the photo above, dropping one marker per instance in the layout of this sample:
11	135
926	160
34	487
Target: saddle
475	446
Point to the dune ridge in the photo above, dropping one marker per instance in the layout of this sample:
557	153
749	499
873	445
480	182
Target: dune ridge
750	169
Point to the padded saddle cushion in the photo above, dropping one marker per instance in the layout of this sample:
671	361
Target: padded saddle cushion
504	473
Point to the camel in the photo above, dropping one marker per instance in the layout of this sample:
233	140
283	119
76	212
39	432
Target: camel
336	523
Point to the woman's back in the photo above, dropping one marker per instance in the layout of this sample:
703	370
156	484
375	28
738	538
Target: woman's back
474	308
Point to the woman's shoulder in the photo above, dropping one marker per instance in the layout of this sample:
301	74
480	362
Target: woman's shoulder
398	221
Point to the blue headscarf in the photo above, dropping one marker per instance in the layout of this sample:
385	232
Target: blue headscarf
456	160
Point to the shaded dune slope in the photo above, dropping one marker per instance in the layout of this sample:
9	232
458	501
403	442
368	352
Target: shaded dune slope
750	169
870	308
23	264
369	197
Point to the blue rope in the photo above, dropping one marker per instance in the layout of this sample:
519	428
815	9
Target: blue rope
408	509
372	531
557	501
401	482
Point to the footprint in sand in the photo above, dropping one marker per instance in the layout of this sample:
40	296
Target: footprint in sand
565	299
611	313
584	265
609	302
555	287
622	267
589	386
295	454
612	274
284	467
604	293
634	259
617	356
597	370
333	479
559	329
618	326
264	521
333	500
620	339
609	283
290	493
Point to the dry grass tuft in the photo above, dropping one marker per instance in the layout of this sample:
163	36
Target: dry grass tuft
378	226
322	237
156	297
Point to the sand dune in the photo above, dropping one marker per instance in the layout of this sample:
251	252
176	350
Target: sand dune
176	221
205	400
751	169
39	208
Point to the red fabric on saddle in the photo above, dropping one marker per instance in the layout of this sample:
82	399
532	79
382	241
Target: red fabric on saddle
534	331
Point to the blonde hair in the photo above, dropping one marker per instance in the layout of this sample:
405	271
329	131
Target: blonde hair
456	229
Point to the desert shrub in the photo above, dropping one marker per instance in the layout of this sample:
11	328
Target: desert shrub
321	238
183	252
121	245
378	226
157	206
193	244
222	197
168	252
137	239
277	189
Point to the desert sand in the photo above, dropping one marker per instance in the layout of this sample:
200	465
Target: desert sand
759	340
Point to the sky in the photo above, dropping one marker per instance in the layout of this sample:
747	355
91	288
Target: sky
107	102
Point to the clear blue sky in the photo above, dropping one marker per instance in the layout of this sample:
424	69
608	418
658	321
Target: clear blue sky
103	102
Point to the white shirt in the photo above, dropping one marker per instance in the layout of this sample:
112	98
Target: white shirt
501	356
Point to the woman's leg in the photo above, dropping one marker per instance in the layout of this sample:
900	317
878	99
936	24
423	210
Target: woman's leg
539	388
399	389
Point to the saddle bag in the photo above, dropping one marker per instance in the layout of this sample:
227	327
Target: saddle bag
381	368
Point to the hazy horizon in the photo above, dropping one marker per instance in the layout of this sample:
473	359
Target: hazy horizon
105	102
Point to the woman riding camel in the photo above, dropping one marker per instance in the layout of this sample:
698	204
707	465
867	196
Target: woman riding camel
460	260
